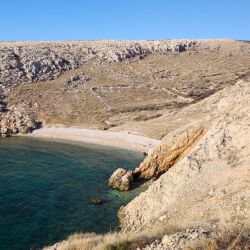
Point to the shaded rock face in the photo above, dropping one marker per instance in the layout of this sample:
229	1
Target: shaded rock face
2	101
121	179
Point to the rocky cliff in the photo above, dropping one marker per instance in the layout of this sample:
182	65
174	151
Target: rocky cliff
210	183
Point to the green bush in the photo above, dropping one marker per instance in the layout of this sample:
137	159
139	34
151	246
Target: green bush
124	245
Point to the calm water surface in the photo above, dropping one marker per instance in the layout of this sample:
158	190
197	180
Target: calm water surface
45	189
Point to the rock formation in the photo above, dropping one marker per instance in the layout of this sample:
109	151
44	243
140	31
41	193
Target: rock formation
17	119
181	240
159	161
121	179
167	154
33	62
76	81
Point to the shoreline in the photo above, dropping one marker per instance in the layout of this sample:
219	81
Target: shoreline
101	137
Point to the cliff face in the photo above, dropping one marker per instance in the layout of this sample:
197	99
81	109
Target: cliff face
158	162
209	184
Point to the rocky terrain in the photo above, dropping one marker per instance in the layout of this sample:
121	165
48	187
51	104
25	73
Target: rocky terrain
120	83
194	95
209	180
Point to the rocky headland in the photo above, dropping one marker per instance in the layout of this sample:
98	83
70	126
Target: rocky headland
192	95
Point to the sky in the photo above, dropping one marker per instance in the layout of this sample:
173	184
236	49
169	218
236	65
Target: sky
33	20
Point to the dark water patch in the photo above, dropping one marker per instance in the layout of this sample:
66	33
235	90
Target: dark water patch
46	189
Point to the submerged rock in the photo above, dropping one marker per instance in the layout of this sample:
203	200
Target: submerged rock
121	179
96	201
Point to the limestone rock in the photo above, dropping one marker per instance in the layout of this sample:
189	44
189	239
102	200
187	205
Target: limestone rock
35	62
167	154
181	240
121	179
17	119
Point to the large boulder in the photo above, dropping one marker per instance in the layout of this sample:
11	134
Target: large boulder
121	179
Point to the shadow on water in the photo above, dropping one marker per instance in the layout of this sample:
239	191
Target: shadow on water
142	184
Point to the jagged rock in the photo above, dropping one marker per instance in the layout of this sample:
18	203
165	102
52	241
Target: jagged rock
121	179
159	161
167	154
218	161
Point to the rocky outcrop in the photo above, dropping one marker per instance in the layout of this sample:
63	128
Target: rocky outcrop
75	81
121	179
17	119
159	160
33	62
167	154
181	240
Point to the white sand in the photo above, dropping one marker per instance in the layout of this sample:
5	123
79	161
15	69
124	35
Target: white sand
102	137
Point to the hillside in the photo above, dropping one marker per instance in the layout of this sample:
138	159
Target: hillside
121	84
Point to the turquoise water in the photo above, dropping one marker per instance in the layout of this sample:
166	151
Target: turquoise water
45	189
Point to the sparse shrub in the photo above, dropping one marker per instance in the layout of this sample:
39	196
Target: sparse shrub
206	244
124	245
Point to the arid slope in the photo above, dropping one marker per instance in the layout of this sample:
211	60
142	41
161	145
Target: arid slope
119	85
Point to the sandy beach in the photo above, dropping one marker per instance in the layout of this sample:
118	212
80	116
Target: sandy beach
102	137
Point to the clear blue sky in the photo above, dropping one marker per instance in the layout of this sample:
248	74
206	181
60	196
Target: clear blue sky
123	19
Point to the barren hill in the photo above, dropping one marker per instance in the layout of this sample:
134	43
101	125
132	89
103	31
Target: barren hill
113	83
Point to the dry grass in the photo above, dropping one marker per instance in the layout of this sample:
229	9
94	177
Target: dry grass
115	239
234	238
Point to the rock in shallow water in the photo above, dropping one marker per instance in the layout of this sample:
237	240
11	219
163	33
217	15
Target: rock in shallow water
121	179
96	201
